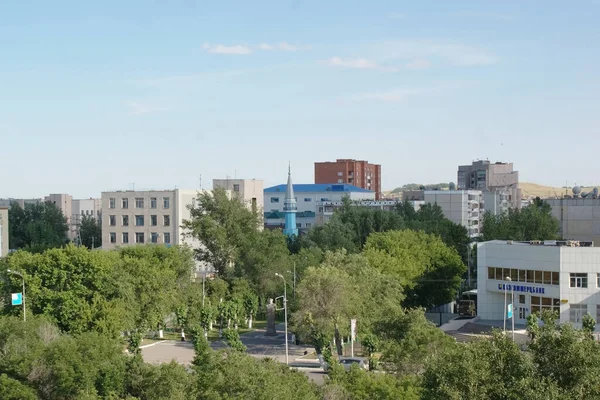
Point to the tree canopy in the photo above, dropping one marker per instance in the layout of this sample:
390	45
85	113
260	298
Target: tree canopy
90	231
36	227
534	222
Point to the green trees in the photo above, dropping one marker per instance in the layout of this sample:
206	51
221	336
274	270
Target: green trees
105	292
36	227
91	232
534	222
428	269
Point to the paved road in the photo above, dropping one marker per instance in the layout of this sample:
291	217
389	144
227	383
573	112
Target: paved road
258	345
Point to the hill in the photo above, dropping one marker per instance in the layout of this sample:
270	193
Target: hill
534	190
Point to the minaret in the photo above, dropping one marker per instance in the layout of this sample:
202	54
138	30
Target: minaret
290	208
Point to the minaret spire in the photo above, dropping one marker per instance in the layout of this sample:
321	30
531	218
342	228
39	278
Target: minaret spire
290	207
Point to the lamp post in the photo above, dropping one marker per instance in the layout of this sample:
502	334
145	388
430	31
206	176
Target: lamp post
285	316
23	299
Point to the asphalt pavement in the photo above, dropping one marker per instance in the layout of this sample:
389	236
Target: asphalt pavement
258	345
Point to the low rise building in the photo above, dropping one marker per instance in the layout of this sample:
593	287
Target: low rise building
310	200
3	231
139	217
249	191
561	276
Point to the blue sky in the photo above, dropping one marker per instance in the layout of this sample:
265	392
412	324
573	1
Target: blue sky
99	95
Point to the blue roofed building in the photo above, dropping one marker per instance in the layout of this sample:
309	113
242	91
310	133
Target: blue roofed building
312	202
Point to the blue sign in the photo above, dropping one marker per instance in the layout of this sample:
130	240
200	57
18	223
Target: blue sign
16	299
521	288
509	313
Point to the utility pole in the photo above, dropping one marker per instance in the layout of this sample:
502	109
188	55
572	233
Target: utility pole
287	361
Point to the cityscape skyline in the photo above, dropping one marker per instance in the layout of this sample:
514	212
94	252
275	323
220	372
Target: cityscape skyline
97	97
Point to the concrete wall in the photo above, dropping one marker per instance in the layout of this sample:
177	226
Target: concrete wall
3	231
579	218
459	206
250	191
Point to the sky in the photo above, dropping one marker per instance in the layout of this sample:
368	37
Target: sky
98	96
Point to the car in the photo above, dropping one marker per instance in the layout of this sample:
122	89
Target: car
348	362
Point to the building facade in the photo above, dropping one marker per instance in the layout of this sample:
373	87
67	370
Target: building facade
463	207
140	217
310	200
249	191
3	231
560	276
579	218
357	173
485	176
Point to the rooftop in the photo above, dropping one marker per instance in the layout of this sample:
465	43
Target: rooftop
317	187
565	243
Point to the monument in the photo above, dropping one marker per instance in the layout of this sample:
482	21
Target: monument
271	319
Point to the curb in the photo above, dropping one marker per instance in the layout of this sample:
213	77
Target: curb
149	345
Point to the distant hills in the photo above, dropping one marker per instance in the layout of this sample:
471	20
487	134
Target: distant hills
420	186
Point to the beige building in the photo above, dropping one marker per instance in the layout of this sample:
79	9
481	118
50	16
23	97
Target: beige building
485	176
140	217
249	191
3	231
579	218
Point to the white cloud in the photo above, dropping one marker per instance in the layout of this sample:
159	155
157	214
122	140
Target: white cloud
390	96
283	46
136	108
222	49
418	64
265	46
455	53
358	63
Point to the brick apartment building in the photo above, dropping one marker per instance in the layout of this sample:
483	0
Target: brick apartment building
353	172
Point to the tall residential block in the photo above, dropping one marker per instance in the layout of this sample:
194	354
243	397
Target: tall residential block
3	231
463	207
493	177
139	217
358	173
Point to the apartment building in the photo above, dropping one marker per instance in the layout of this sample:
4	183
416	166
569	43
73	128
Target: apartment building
3	231
579	218
140	217
464	207
311	200
249	191
357	173
485	176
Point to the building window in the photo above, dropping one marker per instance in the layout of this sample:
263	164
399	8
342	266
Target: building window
522	298
555	278
139	220
167	220
320	209
236	188
125	237
340	181
578	281
124	202
308	225
307	199
111	202
254	204
112	220
576	312
113	237
166	202
324	199
153	202
298	225
597	280
340	174
491	273
139	237
274	199
153	220
125	220
539	304
139	202
167	237
154	237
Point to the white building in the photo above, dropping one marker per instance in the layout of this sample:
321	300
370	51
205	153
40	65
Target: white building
3	231
311	199
138	217
464	207
249	191
560	276
579	218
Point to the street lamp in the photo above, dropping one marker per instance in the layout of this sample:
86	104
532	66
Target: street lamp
23	299
285	316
